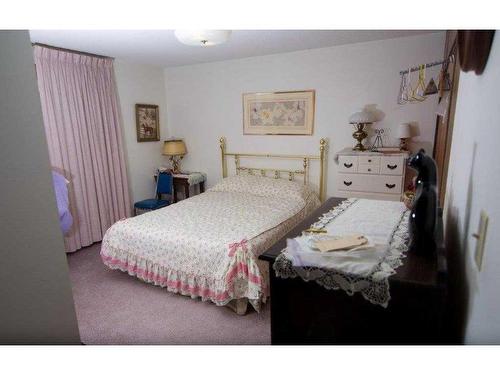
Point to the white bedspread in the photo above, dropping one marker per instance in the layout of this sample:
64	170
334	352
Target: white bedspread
201	246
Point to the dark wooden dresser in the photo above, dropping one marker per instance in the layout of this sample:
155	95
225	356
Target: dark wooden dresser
307	313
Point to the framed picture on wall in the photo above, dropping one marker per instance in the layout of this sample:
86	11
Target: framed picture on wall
147	120
286	112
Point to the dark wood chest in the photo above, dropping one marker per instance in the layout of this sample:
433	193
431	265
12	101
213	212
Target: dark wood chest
307	313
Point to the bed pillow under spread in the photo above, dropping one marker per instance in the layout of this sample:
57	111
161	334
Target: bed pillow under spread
264	186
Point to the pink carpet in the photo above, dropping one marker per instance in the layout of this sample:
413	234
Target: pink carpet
115	308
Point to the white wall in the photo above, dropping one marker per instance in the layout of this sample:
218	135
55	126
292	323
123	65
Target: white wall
36	304
473	183
205	100
141	84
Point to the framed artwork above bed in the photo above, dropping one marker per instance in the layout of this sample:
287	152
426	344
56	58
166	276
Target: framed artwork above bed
279	113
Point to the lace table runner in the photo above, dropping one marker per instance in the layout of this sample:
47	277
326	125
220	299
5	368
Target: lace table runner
364	270
193	177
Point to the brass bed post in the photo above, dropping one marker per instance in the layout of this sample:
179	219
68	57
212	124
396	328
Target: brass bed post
322	160
305	165
222	143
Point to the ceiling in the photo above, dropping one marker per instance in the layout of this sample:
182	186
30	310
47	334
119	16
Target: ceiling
161	48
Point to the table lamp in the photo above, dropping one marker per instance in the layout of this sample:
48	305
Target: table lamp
404	133
359	120
175	149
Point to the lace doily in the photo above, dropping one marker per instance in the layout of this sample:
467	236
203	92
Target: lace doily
373	287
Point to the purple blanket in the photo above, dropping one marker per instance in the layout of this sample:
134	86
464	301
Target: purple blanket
62	199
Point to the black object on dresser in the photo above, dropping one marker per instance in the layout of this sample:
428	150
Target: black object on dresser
307	313
424	213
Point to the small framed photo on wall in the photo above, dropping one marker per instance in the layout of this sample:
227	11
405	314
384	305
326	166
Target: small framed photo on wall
147	119
279	113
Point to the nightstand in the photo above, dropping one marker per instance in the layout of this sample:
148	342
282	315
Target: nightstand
183	181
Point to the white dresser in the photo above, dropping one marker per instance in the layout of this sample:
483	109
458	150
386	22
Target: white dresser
372	175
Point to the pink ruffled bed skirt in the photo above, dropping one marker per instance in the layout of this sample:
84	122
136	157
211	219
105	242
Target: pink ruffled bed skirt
221	292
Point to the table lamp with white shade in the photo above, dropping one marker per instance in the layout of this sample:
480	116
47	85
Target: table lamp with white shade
359	120
175	149
404	133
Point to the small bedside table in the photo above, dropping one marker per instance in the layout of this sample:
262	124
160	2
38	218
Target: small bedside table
183	181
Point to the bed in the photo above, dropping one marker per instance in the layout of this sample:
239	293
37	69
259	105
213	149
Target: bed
208	246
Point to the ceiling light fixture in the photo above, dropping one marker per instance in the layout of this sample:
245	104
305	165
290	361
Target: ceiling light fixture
202	38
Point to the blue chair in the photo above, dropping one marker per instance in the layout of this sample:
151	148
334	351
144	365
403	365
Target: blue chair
164	185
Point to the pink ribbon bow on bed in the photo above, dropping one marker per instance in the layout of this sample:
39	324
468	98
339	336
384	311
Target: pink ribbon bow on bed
234	246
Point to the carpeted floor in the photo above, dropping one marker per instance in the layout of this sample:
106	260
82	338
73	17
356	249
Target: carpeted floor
115	308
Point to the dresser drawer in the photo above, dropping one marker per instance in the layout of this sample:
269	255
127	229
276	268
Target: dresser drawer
367	183
387	184
348	164
354	182
369	168
349	182
392	165
371	160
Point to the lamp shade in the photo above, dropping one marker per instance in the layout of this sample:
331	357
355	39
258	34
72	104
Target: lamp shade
174	147
362	117
404	131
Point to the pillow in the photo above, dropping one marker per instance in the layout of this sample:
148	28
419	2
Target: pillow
264	187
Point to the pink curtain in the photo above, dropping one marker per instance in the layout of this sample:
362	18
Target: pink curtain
82	124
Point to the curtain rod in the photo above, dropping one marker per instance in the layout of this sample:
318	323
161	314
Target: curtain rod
72	51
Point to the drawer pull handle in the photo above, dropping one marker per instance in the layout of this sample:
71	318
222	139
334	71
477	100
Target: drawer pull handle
392	166
369	160
390	186
348	165
369	169
347	183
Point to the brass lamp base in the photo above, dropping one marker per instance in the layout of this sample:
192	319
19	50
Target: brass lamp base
359	135
403	144
175	160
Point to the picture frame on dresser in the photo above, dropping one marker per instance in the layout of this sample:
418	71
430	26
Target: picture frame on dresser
373	175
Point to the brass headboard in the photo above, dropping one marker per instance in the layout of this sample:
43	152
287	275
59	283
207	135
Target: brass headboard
277	173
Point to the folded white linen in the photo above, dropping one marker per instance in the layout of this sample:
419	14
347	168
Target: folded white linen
355	261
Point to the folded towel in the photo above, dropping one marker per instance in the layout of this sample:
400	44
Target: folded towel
340	243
